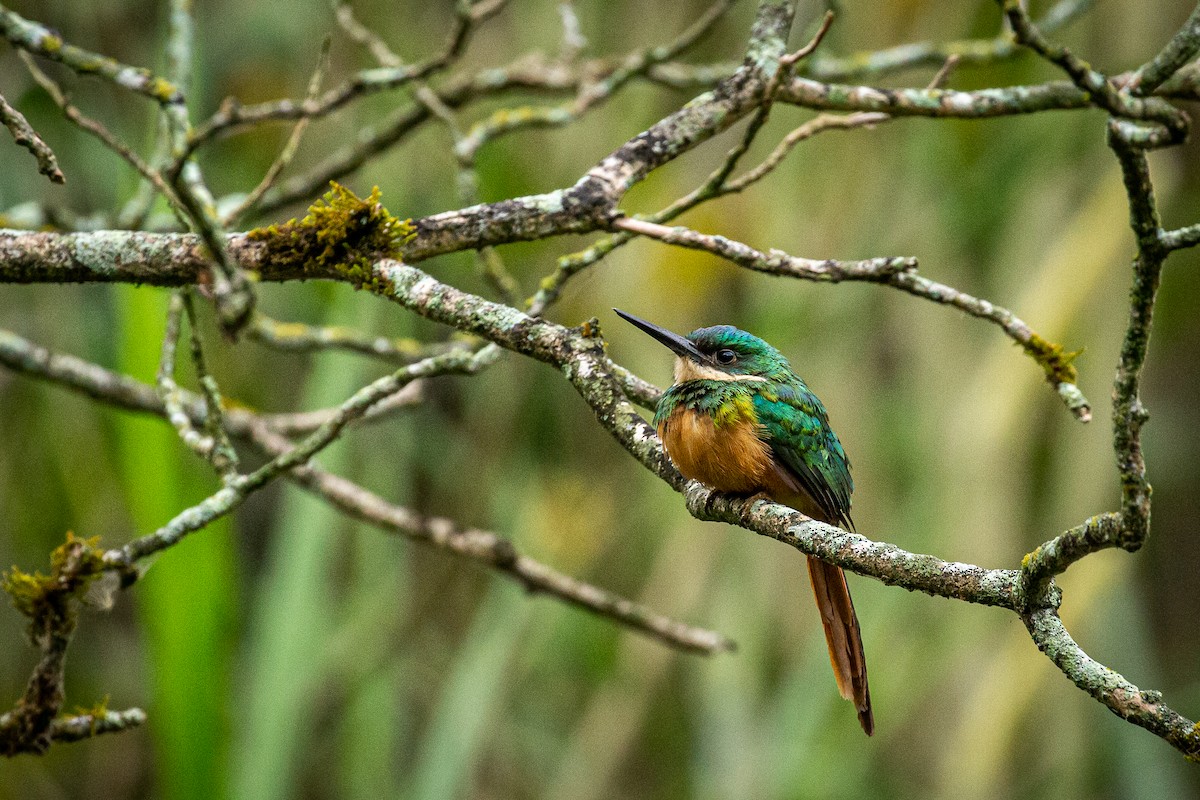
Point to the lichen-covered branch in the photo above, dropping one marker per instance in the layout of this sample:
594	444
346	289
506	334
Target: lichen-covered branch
51	604
1129	414
78	727
1171	124
1181	49
944	103
1181	237
1052	558
884	562
1141	707
41	41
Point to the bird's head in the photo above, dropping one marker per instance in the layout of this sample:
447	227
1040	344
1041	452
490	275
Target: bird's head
722	353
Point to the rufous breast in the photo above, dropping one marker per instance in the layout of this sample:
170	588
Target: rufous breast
730	457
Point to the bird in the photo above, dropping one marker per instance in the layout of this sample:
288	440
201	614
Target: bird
738	419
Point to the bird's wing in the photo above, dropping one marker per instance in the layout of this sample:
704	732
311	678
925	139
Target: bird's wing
806	451
810	461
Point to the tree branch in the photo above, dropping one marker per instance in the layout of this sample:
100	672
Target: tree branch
1144	708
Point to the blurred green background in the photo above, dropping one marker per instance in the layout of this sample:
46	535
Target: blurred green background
291	653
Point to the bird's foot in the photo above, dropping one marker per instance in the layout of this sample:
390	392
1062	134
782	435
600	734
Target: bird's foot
754	498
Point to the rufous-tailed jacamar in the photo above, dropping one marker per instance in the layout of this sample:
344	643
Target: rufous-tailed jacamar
738	419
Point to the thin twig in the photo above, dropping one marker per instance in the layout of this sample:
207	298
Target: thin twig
497	553
232	116
1181	49
98	130
776	262
25	136
290	147
717	185
168	389
39	40
508	120
223	457
298	337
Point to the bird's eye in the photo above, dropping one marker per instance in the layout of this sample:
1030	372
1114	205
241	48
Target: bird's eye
726	356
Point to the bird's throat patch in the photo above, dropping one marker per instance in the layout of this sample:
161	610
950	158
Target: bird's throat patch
688	370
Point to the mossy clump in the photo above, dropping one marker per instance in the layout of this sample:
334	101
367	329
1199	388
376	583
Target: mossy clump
1054	360
1193	744
47	599
342	233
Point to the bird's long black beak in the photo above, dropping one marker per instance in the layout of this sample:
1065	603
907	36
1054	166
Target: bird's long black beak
679	345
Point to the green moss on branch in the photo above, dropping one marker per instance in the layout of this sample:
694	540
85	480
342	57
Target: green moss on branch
341	235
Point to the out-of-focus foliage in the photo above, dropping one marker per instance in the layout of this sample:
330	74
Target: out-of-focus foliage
294	654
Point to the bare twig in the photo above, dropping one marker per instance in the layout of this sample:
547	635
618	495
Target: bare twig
25	136
222	455
289	148
489	549
98	130
169	391
298	337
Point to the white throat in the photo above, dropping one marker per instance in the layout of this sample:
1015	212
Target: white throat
688	370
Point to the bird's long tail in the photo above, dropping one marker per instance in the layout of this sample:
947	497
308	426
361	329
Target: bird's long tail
843	636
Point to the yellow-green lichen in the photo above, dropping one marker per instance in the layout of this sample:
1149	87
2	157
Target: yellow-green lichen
164	91
94	714
46	599
342	234
1054	360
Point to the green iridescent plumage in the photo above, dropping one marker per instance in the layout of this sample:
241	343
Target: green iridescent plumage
726	402
793	421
